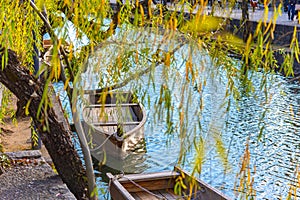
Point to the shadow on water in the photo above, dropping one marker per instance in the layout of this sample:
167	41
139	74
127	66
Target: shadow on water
275	154
133	163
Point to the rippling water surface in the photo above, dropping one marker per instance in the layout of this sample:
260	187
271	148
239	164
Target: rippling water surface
270	125
274	157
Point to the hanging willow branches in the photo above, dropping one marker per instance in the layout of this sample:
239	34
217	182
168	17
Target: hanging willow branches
132	44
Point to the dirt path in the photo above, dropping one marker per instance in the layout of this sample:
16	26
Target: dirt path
16	136
29	177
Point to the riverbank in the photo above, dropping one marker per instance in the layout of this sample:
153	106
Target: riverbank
31	177
29	174
16	136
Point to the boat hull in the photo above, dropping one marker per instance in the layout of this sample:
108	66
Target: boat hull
101	121
161	185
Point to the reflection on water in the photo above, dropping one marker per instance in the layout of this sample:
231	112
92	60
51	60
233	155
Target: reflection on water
275	156
274	153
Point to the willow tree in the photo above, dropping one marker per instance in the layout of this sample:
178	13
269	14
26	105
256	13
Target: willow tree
140	38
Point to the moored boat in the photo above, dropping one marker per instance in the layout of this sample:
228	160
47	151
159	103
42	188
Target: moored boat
171	185
114	126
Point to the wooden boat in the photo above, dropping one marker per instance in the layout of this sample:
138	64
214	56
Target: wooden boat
48	51
114	125
47	43
161	185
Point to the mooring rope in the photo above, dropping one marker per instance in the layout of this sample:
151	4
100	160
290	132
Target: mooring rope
100	146
122	175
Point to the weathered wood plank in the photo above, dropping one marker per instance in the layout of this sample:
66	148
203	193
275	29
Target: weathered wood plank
115	123
161	184
169	194
111	105
149	176
117	191
106	119
151	181
47	44
164	194
135	196
149	185
146	196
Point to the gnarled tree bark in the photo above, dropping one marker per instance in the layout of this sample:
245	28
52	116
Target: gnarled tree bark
57	136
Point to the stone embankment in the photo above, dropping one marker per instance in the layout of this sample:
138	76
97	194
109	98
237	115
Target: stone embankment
283	33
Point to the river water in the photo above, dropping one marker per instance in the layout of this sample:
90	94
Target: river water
269	126
274	156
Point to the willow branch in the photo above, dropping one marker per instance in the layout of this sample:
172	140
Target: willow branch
137	74
61	50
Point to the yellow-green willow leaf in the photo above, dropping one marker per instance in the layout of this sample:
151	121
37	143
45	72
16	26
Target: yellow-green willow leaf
232	40
221	150
203	24
27	107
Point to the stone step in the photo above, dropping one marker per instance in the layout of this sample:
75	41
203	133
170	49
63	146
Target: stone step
29	154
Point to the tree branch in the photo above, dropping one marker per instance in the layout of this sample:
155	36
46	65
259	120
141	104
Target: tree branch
137	74
57	139
61	50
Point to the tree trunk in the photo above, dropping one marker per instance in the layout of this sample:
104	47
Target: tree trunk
245	20
57	136
20	113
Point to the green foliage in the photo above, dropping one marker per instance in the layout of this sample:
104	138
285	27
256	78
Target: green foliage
94	193
6	108
164	107
179	185
17	23
34	135
140	45
4	163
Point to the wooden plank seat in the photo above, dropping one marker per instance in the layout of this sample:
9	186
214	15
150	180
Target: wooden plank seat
115	123
161	185
156	195
111	105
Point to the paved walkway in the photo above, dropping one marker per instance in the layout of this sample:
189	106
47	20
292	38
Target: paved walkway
31	178
259	14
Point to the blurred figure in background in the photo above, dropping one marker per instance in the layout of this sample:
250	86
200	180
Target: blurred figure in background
253	4
291	9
